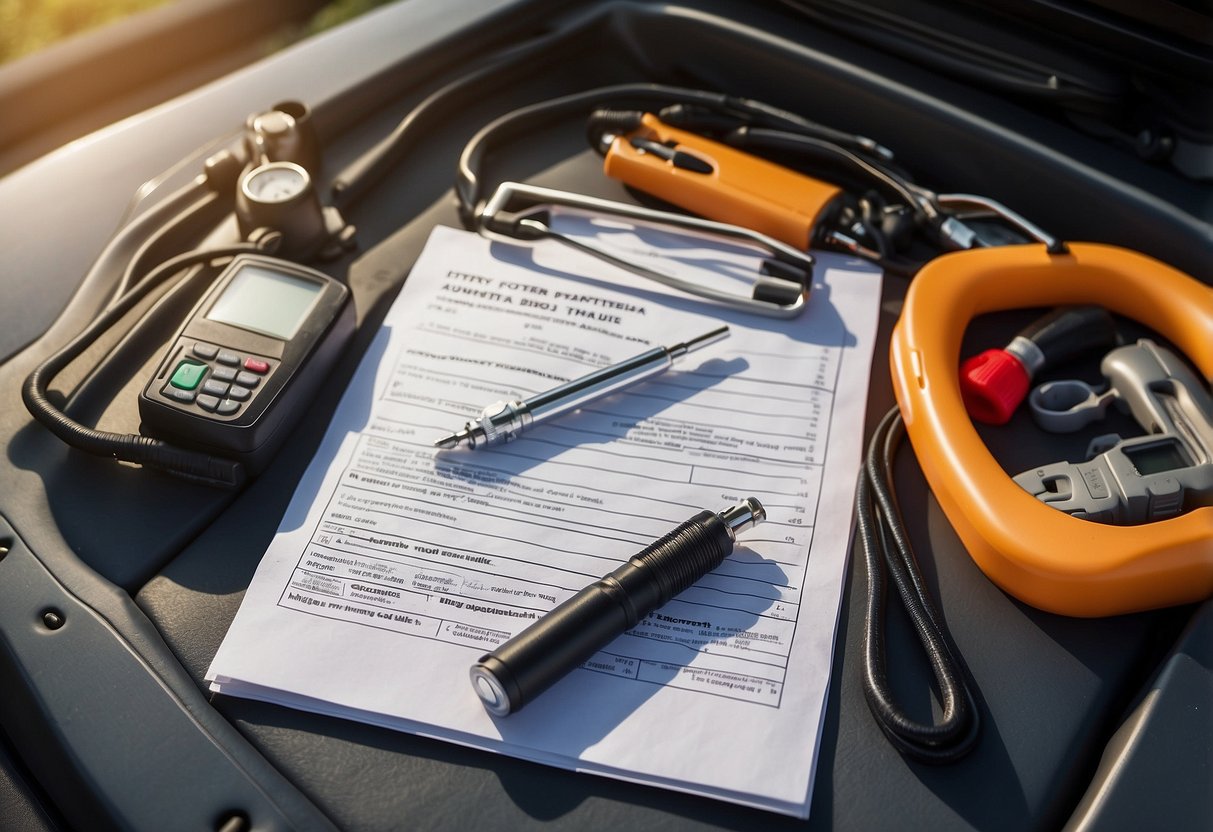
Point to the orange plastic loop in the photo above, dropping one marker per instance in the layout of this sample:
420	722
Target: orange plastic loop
1038	554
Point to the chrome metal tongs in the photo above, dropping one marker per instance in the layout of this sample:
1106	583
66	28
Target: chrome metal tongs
516	212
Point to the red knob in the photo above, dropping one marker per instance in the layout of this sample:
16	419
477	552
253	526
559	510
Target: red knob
992	385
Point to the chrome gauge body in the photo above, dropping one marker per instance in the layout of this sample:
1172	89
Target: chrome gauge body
280	198
275	183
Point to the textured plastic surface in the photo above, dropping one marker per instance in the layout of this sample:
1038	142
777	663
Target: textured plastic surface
112	746
1045	557
1153	775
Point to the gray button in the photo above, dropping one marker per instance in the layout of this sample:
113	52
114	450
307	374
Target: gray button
248	380
208	402
227	407
239	393
228	358
177	394
207	351
223	373
215	388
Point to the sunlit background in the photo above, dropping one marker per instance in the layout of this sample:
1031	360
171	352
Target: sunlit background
29	25
70	67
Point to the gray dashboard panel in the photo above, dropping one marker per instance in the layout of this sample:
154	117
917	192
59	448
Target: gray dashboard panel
1054	689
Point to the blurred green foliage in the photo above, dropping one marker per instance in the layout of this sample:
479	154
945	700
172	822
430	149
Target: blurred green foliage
339	11
29	25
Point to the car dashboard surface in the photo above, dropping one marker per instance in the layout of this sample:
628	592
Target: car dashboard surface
118	583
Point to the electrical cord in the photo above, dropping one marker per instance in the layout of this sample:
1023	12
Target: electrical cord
148	189
875	174
515	122
885	543
356	179
910	221
191	213
135	448
750	121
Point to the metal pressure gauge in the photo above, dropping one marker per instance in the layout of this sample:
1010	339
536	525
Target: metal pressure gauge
281	197
275	183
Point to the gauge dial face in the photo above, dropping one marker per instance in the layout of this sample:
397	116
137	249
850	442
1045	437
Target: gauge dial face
275	182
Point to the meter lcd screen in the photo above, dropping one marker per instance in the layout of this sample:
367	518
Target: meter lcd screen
1156	459
265	301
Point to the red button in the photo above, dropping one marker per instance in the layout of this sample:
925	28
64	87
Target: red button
256	365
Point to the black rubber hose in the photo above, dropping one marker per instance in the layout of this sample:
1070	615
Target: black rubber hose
646	96
189	214
1070	331
134	448
525	119
355	180
876	174
884	541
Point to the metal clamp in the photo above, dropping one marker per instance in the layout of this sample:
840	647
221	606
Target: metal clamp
504	215
986	205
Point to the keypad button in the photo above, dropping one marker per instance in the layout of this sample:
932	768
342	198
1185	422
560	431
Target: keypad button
205	351
227	407
178	395
256	365
229	358
215	388
248	380
240	394
208	402
224	373
188	375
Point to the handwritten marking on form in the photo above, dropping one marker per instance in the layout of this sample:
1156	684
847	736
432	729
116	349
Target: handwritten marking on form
397	566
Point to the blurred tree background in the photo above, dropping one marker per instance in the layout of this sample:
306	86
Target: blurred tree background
29	25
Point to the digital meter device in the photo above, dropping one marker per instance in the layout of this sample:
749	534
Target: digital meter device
253	351
1161	474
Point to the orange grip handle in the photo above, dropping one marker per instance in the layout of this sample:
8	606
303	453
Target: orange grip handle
1042	556
739	188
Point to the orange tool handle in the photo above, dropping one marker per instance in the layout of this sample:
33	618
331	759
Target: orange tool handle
1042	556
723	184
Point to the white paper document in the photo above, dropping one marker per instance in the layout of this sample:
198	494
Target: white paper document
398	566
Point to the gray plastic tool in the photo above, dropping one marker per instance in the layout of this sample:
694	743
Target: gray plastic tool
1167	471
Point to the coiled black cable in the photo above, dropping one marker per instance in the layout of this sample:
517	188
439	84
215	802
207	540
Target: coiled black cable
884	541
142	450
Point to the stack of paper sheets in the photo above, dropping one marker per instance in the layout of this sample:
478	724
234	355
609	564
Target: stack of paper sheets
397	566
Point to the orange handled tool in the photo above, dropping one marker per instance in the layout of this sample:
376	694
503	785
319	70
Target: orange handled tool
720	183
1043	556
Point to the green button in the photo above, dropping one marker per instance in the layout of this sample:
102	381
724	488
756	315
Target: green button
188	375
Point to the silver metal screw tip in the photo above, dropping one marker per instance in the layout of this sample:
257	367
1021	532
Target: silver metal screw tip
698	342
459	437
745	515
